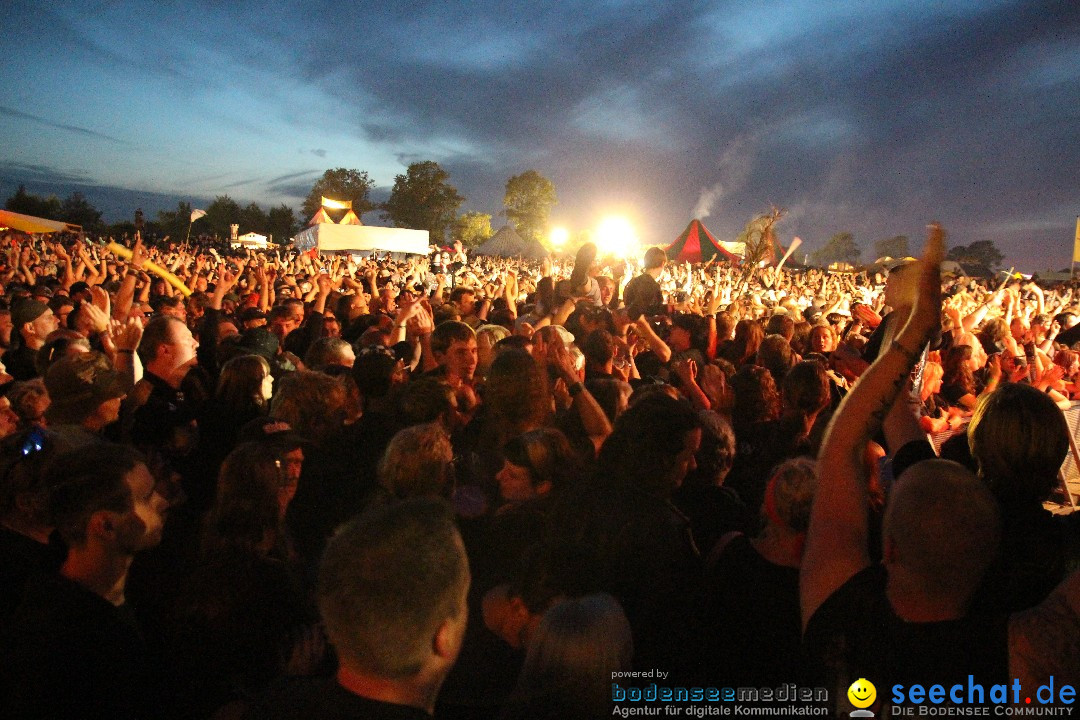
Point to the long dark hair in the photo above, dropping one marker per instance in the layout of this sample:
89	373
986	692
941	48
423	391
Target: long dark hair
957	371
246	507
240	383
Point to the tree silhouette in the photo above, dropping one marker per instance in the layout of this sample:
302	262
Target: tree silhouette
340	184
471	229
840	248
422	199
894	247
980	252
529	198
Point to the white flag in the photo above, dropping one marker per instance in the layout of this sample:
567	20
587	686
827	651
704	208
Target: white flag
196	214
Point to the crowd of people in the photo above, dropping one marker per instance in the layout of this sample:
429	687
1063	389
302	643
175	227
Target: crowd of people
475	487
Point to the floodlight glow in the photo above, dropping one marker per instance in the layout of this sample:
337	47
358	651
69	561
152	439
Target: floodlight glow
616	236
559	236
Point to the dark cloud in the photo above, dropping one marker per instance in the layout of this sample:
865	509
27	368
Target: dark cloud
9	112
291	185
116	203
241	183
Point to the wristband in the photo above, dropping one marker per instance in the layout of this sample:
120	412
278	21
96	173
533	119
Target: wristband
122	351
576	389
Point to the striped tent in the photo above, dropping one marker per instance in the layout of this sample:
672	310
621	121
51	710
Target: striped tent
697	244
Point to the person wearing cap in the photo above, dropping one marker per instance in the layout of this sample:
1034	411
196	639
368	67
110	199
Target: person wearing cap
86	393
32	321
251	318
287	444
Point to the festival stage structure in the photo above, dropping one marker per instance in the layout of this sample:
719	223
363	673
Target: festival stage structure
352	236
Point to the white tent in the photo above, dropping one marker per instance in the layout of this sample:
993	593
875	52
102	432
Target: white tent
362	239
252	240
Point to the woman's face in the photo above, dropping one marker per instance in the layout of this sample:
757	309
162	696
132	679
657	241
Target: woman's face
515	483
931	384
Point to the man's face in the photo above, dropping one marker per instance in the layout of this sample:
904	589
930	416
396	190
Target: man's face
227	329
45	324
183	345
292	464
900	286
358	306
178	311
285	325
110	409
331	327
467	304
9	421
679	339
62	313
461	358
515	483
607	291
141	526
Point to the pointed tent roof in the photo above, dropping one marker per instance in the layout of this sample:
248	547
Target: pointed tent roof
507	243
350	219
321	218
697	244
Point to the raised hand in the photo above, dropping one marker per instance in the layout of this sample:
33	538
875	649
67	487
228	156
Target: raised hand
126	334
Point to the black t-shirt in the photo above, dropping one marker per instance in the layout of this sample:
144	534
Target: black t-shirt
643	295
753	606
855	634
21	558
20	363
305	699
70	653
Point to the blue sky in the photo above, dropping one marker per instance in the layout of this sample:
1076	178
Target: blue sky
866	117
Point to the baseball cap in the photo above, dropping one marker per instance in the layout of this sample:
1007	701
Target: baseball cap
78	384
271	430
260	341
27	311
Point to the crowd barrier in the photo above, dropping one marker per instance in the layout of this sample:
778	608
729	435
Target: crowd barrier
1070	469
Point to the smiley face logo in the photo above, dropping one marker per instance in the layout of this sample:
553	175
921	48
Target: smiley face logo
862	693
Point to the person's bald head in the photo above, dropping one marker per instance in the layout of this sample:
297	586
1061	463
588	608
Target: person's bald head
941	527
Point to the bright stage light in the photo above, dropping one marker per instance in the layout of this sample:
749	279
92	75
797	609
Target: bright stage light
616	236
559	236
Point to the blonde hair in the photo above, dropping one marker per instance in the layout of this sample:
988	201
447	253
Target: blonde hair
416	462
572	655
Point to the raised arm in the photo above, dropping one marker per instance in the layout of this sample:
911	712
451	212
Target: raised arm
836	542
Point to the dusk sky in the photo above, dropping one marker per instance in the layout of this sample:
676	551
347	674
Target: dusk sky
868	117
